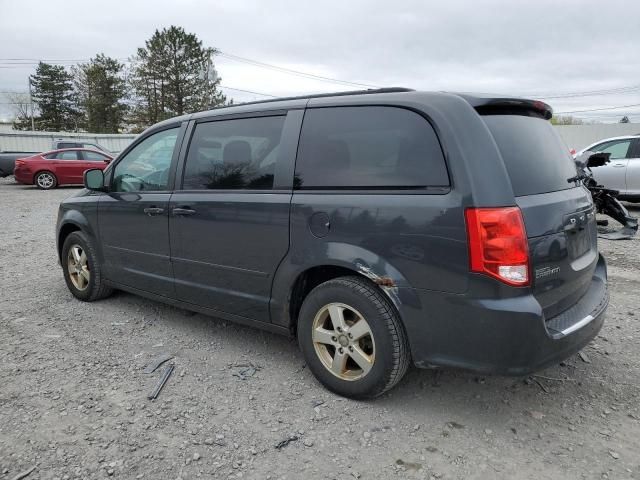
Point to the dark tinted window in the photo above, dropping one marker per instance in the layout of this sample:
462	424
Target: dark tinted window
537	160
234	154
368	147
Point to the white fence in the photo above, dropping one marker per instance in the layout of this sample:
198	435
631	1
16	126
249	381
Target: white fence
575	136
22	141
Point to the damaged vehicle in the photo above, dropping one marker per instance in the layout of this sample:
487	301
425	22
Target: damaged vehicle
606	200
382	228
622	172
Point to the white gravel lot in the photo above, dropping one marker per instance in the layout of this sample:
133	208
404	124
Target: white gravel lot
73	397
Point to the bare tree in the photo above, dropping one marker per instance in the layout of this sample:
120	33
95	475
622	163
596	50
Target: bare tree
21	108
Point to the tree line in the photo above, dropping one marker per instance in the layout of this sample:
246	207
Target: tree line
171	75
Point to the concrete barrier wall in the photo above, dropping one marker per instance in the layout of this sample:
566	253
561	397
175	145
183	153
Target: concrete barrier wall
581	136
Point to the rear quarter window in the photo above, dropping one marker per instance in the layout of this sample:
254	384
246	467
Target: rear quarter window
61	145
536	158
368	148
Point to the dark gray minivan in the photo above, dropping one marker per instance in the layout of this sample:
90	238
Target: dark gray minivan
382	228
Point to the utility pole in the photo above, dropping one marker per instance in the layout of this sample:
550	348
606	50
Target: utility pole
33	125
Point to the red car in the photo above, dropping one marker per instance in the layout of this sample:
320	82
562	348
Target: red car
59	167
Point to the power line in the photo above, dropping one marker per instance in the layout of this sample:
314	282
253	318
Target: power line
599	109
248	91
220	86
293	72
36	60
27	62
610	91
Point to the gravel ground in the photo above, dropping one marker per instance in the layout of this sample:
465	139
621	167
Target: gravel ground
73	397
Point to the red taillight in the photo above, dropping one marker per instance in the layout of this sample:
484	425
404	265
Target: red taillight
498	244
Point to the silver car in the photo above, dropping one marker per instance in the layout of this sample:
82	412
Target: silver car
623	172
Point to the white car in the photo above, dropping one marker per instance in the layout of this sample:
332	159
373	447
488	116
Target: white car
623	172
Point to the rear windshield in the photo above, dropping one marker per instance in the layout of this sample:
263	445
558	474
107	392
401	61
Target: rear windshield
537	160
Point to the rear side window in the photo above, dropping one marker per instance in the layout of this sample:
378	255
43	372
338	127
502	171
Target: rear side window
618	149
368	148
72	155
93	156
537	160
234	154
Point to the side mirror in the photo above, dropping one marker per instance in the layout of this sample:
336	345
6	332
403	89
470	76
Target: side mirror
94	180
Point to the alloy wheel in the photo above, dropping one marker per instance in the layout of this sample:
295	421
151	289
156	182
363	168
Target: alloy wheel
343	341
45	180
78	267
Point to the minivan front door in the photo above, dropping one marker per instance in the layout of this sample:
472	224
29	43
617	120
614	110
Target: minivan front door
229	224
133	216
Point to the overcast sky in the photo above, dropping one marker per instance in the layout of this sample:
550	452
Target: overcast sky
535	48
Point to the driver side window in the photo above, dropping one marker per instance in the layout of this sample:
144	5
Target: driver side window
146	167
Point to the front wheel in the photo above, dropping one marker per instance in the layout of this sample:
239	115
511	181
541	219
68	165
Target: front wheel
46	180
352	338
82	271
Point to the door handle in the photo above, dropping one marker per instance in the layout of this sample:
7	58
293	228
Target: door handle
151	211
184	212
618	164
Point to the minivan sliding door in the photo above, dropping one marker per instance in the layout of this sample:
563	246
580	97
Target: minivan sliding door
229	223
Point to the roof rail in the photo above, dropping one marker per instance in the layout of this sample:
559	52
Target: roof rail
370	91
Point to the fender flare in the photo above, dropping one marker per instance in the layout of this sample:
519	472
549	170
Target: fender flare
79	222
336	254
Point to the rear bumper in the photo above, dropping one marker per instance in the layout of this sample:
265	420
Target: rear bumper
507	336
23	176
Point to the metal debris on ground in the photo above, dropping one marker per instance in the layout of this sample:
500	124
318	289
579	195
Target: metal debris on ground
284	443
540	384
408	465
24	474
245	371
626	233
165	376
583	356
155	364
455	425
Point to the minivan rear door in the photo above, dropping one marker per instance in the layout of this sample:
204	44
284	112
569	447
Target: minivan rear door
559	214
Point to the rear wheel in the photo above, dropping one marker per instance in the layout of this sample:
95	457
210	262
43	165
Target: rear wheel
352	338
46	180
82	271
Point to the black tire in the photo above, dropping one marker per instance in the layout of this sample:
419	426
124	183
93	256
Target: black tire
45	180
95	288
392	355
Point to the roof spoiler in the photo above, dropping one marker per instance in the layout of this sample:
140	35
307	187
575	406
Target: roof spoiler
509	106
